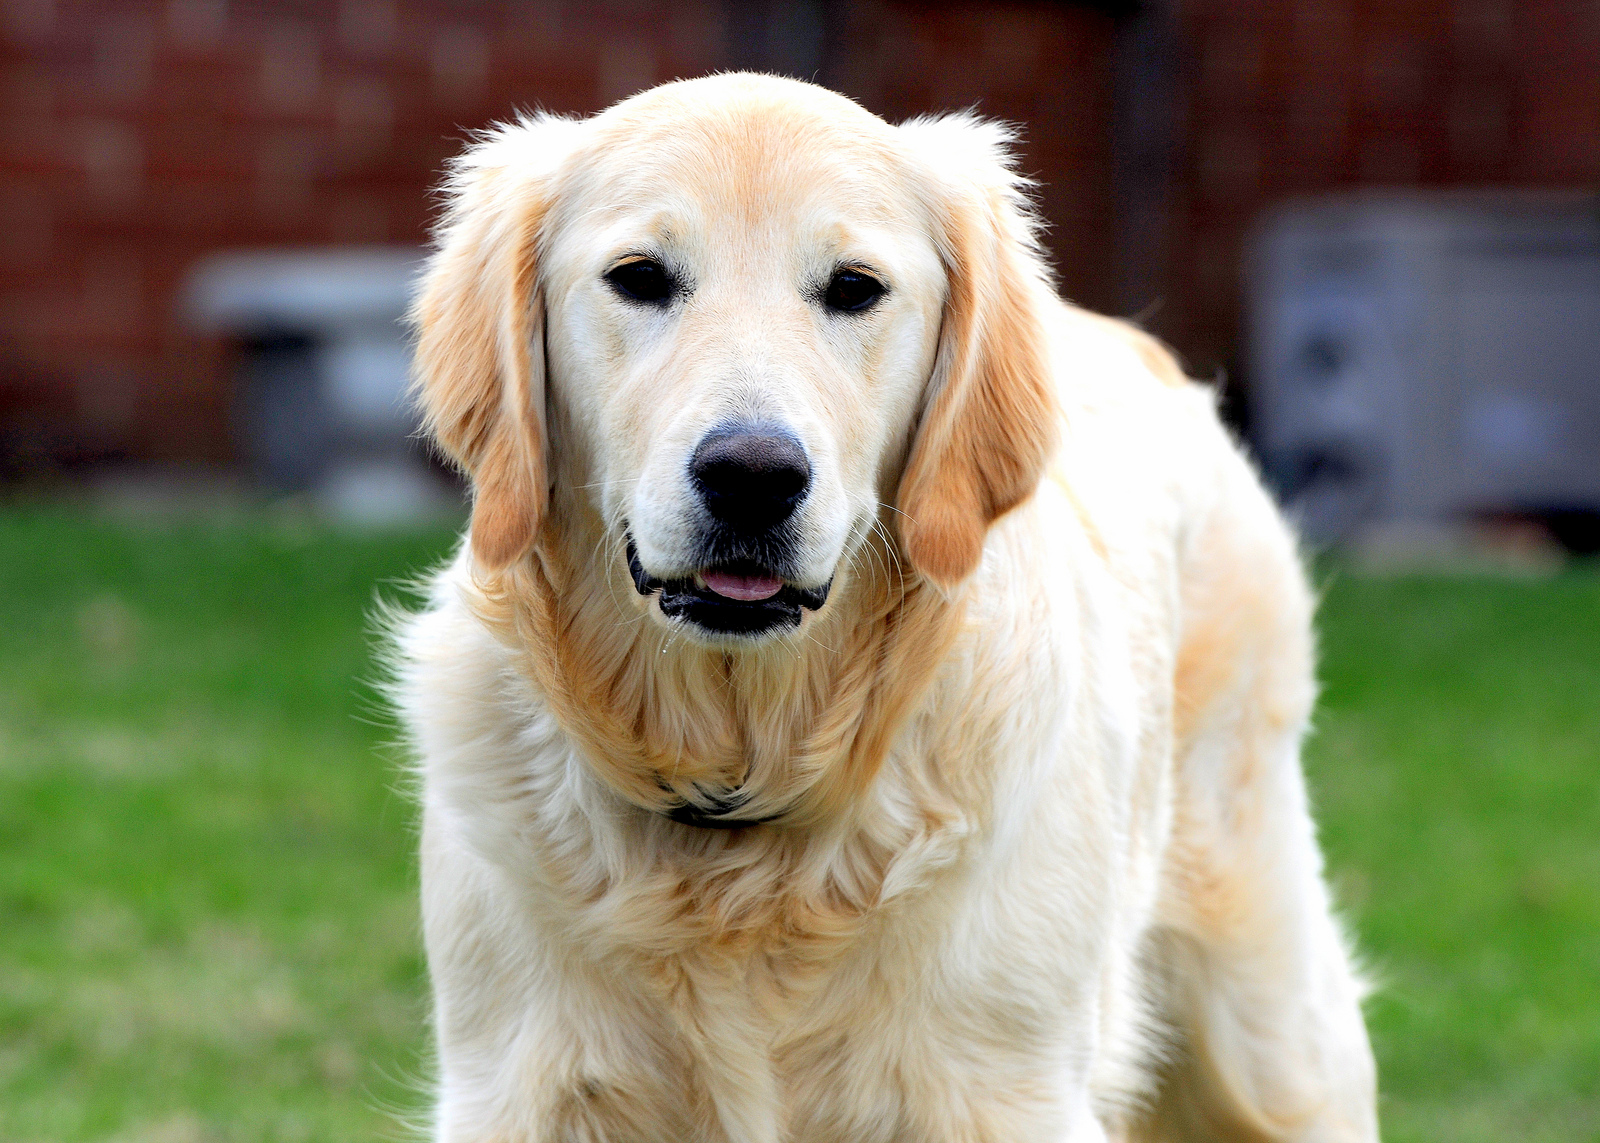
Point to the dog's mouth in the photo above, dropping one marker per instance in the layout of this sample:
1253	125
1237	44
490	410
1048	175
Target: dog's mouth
736	597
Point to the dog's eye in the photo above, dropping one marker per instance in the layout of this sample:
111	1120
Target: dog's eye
852	291
642	280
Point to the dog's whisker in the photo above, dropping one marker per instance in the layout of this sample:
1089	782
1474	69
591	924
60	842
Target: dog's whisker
871	550
818	642
607	550
889	551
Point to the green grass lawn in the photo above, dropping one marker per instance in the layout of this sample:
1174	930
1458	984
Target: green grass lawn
1456	769
207	899
208	924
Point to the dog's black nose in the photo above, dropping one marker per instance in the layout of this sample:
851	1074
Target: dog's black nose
750	476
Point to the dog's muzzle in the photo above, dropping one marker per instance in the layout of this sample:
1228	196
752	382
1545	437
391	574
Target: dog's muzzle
750	478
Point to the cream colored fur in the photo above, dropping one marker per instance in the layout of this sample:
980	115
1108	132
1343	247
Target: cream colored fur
1045	870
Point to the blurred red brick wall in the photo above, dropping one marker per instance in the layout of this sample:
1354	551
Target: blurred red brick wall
1046	68
1280	99
137	137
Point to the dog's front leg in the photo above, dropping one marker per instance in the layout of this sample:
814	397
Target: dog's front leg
537	1043
727	1043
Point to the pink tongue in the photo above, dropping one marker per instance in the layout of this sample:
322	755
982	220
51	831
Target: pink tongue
748	587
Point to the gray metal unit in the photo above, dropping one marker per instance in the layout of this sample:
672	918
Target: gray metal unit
1416	359
323	373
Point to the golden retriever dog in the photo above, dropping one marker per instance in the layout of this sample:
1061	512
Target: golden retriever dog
866	707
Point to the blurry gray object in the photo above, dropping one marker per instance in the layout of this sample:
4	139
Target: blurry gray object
1418	359
321	403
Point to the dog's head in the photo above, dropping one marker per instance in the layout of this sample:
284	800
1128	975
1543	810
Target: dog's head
738	323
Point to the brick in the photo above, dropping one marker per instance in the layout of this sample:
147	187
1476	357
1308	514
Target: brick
146	135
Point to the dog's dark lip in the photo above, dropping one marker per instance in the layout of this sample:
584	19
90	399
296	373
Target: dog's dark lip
643	583
688	599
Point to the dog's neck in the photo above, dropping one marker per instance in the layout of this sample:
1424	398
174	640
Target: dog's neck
797	727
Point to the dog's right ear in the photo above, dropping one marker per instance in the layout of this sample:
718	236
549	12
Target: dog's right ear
479	319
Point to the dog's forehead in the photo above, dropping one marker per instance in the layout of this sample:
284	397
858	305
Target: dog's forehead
743	159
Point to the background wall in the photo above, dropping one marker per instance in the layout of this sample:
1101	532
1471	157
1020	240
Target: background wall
136	137
1280	99
139	137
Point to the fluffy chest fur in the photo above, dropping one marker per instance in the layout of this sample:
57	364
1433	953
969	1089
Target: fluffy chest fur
774	959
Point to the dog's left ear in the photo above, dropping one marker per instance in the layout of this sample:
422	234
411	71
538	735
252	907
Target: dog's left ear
479	362
988	424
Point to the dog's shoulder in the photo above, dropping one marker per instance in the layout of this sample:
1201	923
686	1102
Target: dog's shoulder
1119	384
1149	473
1177	506
1141	445
452	682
